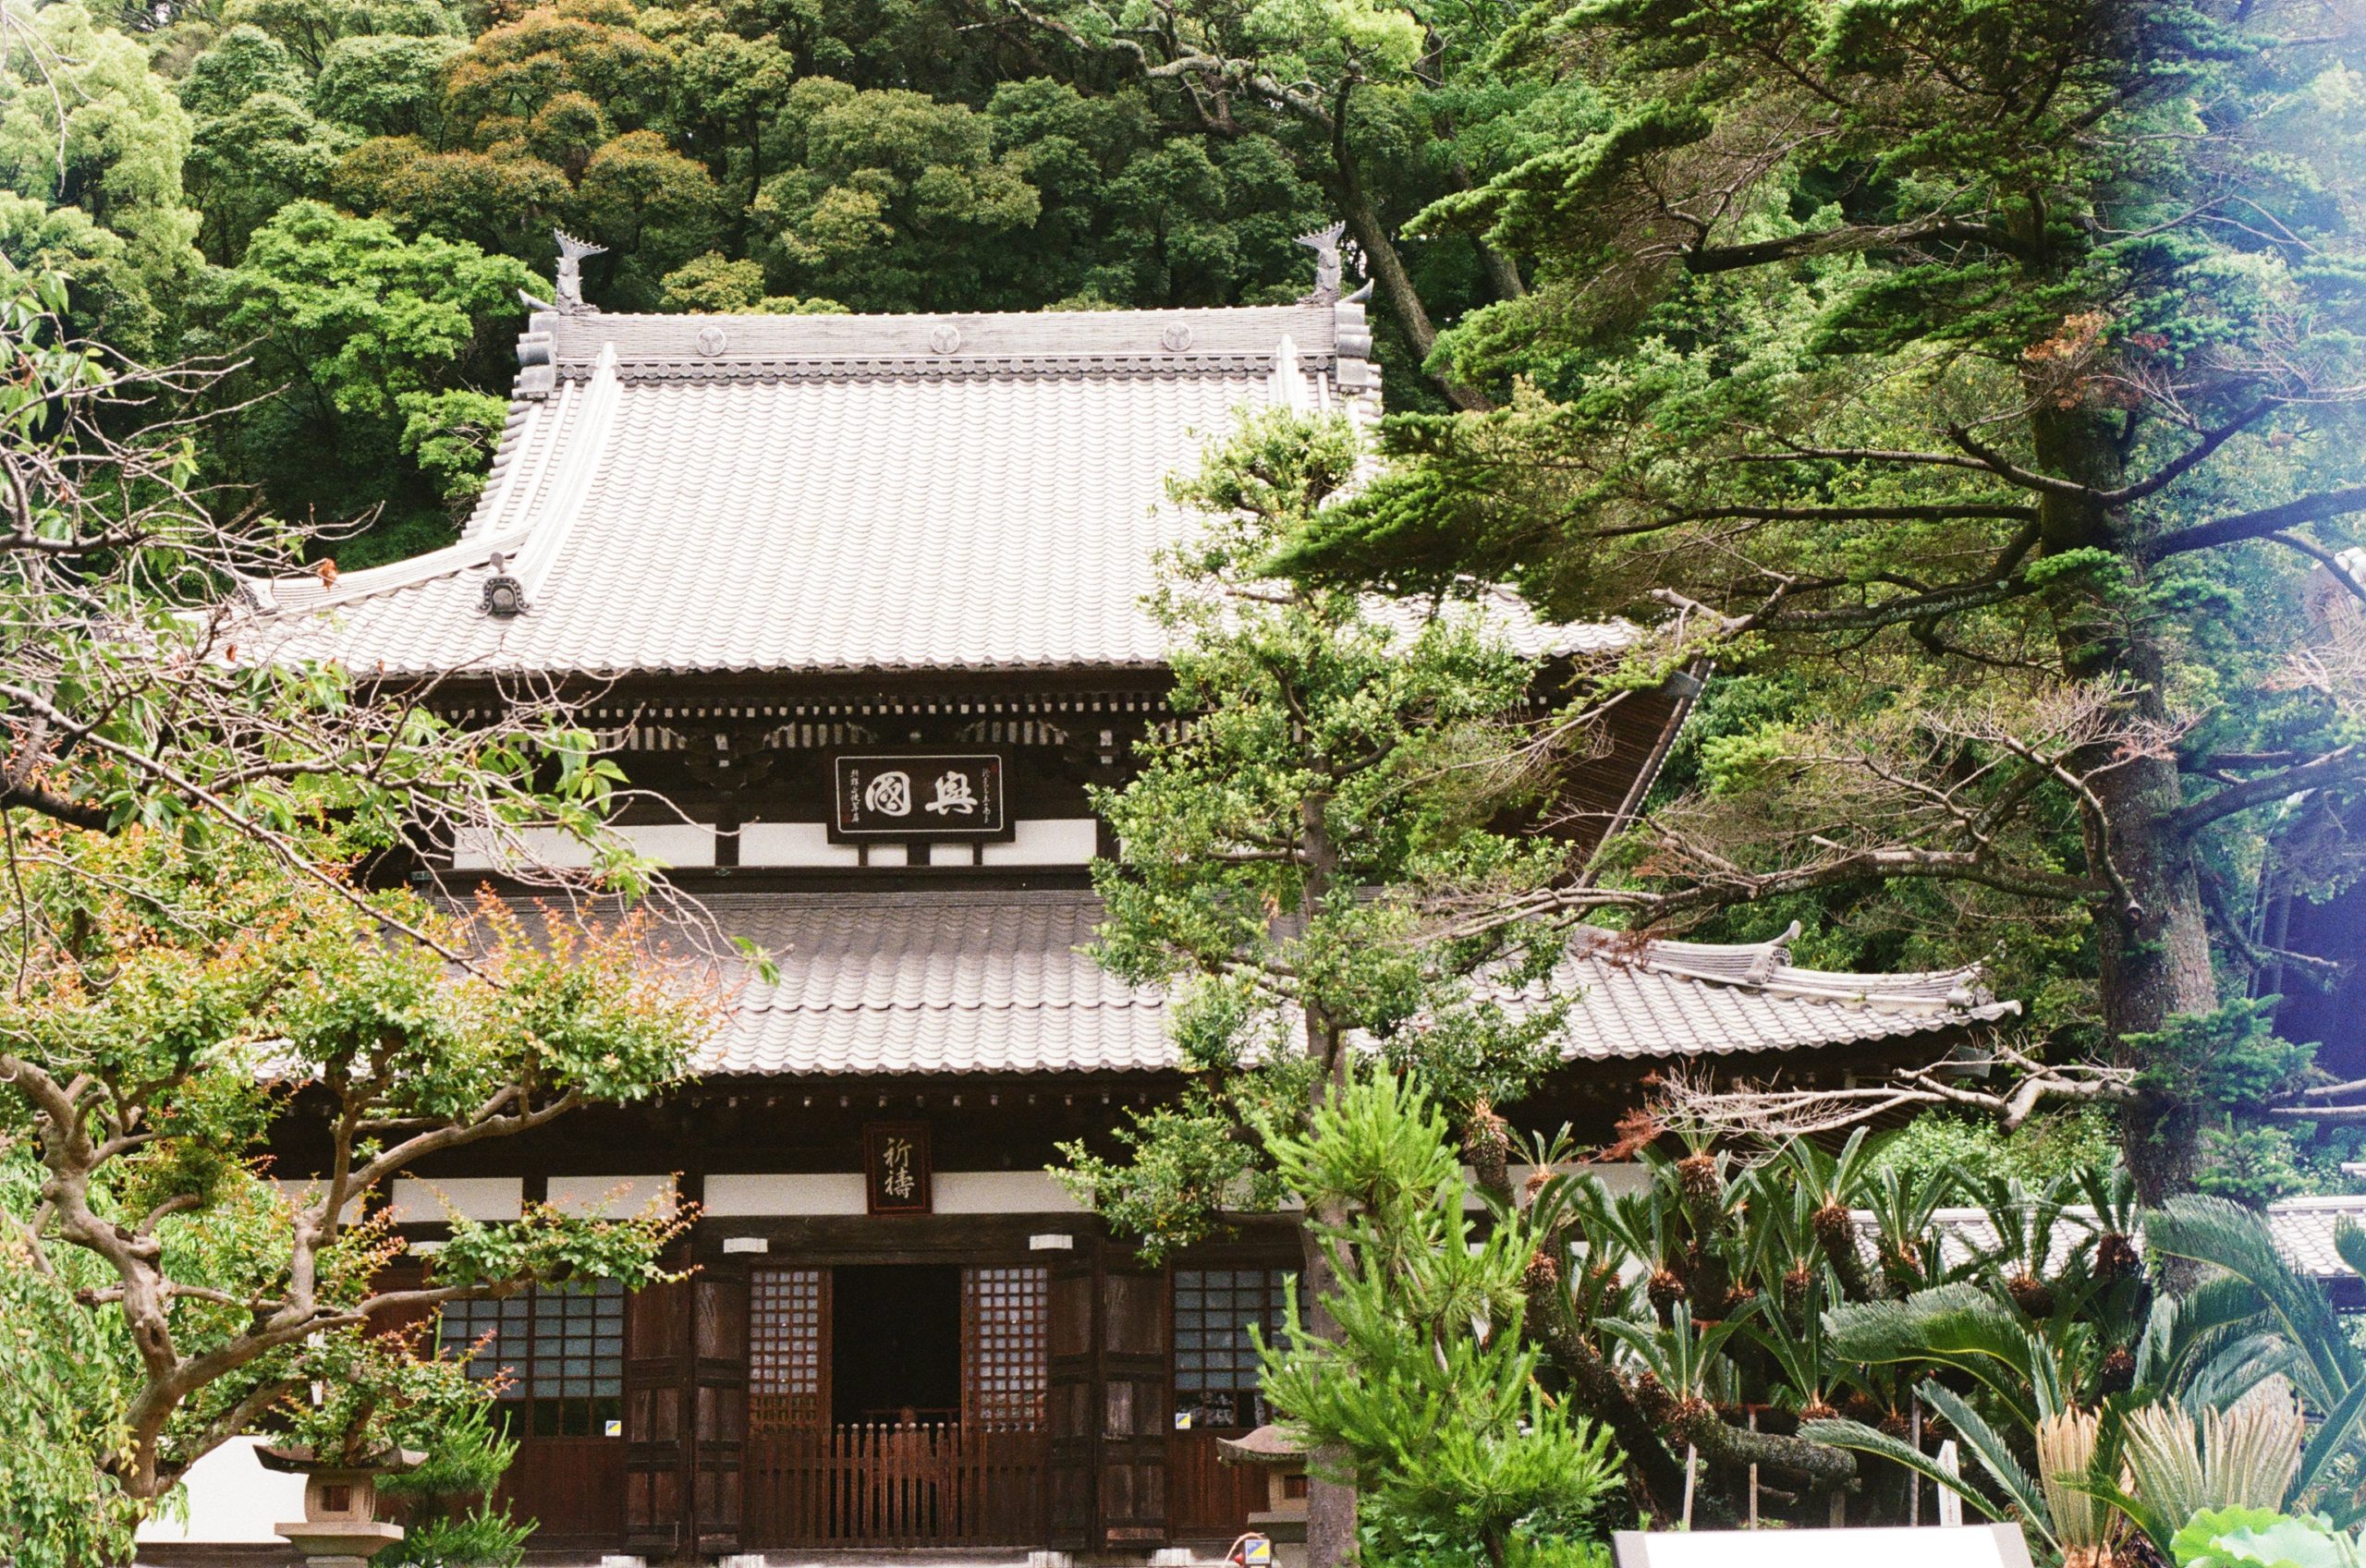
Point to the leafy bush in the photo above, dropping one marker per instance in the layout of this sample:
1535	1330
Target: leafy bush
2242	1538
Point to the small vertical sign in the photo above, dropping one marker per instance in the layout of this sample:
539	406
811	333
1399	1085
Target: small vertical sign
894	1167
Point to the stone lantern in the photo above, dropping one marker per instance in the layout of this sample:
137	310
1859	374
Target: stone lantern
1282	1522
340	1527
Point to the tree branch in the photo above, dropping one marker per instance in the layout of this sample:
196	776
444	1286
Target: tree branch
2244	526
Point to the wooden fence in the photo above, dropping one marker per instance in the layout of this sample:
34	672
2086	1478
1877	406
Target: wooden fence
893	1486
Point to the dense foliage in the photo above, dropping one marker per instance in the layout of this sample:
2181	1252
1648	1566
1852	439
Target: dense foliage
346	196
1979	383
218	1044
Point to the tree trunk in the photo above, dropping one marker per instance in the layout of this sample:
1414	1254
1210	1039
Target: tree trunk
1503	273
1388	272
1330	1505
2154	947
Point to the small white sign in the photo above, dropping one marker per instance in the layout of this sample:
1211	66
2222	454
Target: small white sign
1979	1545
746	1244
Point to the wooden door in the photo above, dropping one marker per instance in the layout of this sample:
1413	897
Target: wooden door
657	1418
717	1374
1072	1399
686	1412
1134	1405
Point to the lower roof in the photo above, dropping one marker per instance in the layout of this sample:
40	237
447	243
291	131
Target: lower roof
944	983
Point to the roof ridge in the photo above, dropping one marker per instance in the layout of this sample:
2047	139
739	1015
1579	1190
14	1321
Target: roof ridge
1294	306
1793	981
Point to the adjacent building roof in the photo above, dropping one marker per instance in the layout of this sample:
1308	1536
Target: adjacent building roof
999	982
694	493
2303	1229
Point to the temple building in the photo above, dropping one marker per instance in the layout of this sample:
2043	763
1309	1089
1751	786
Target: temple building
860	598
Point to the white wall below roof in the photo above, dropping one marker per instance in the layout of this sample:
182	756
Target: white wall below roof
793	843
618	1198
1001	1192
232	1500
765	1195
1046	841
952	1192
427	1200
669	844
1035	841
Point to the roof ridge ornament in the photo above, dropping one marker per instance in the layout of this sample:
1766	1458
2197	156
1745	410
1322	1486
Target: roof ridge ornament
571	252
1772	956
1332	248
505	596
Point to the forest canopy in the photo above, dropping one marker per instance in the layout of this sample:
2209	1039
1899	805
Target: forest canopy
1974	385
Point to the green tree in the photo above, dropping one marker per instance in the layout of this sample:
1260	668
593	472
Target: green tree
1295	860
84	125
199	987
1429	1396
1993	364
1364	100
374	335
894	198
257	146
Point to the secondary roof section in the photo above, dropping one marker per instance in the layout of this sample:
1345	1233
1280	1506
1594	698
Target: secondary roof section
1000	982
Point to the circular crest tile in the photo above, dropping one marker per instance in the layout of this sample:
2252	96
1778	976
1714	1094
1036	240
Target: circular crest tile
712	341
1177	338
945	338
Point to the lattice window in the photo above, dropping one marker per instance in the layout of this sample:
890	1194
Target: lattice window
562	1349
1005	1322
1216	1361
788	1353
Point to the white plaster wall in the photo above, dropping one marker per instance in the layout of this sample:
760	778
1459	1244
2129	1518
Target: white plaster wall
1001	1192
793	843
1035	841
1045	841
670	844
818	1193
429	1200
232	1500
618	1198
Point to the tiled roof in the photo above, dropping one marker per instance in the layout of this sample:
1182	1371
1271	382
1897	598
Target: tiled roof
932	983
952	982
2303	1228
838	493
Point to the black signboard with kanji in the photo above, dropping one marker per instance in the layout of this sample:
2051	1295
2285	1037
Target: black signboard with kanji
895	1168
884	796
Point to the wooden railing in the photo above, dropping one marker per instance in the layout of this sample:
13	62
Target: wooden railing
893	1486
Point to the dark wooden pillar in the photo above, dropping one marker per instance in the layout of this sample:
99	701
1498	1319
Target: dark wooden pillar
1073	1403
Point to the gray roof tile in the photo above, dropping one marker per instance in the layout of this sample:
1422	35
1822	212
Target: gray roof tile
2303	1229
833	494
954	982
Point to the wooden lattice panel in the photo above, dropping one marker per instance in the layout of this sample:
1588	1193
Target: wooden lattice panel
788	1368
1005	1322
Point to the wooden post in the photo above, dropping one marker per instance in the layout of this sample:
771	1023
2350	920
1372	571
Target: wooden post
1839	1509
1914	1478
1753	1477
1691	1466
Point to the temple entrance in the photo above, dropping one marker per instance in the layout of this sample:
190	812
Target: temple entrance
895	1345
896	1405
